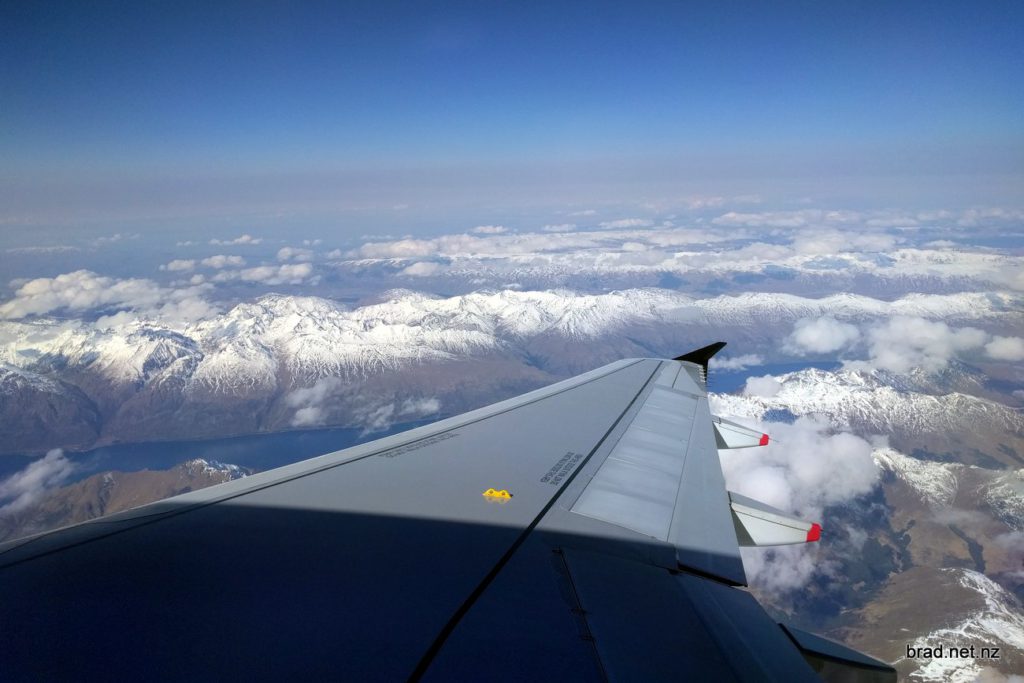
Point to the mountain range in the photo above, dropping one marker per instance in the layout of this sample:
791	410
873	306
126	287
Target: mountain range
253	368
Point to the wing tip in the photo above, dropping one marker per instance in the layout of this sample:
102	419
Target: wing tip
702	355
814	533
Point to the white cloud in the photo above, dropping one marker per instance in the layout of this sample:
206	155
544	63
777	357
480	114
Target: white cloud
737	362
808	466
422	269
116	237
906	342
979	216
821	335
584	212
52	249
570	246
241	239
766	386
312	243
785	219
312	404
489	229
837	242
697	203
1006	348
223	261
289	273
84	290
627	223
179	265
1011	276
187	243
559	227
294	254
25	487
381	418
78	291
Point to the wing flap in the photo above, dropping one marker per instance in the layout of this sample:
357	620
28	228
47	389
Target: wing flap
732	435
759	524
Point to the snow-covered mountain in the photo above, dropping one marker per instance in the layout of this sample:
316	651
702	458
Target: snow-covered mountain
974	430
233	372
955	608
705	262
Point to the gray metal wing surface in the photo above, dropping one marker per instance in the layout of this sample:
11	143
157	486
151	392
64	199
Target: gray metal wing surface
579	532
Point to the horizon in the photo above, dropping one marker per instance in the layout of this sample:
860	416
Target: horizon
327	118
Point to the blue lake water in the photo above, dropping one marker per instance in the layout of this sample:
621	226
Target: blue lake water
255	451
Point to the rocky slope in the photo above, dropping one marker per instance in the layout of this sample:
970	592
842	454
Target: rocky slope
109	492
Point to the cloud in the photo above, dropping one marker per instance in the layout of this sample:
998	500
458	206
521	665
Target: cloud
627	223
766	386
312	404
737	362
78	291
312	243
179	265
422	269
489	229
760	220
821	335
697	203
116	237
837	242
24	488
287	274
1011	276
381	418
971	218
584	212
906	342
294	254
84	290
241	239
829	245
53	249
559	227
519	248
1012	543
222	261
808	466
1006	348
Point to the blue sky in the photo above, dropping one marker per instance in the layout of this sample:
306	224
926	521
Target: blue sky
184	109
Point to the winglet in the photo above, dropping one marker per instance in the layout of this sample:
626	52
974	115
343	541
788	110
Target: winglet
701	358
703	355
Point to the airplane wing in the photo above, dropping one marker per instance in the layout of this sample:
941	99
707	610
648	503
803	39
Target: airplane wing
579	532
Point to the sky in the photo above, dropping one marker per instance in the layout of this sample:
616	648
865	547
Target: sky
179	113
